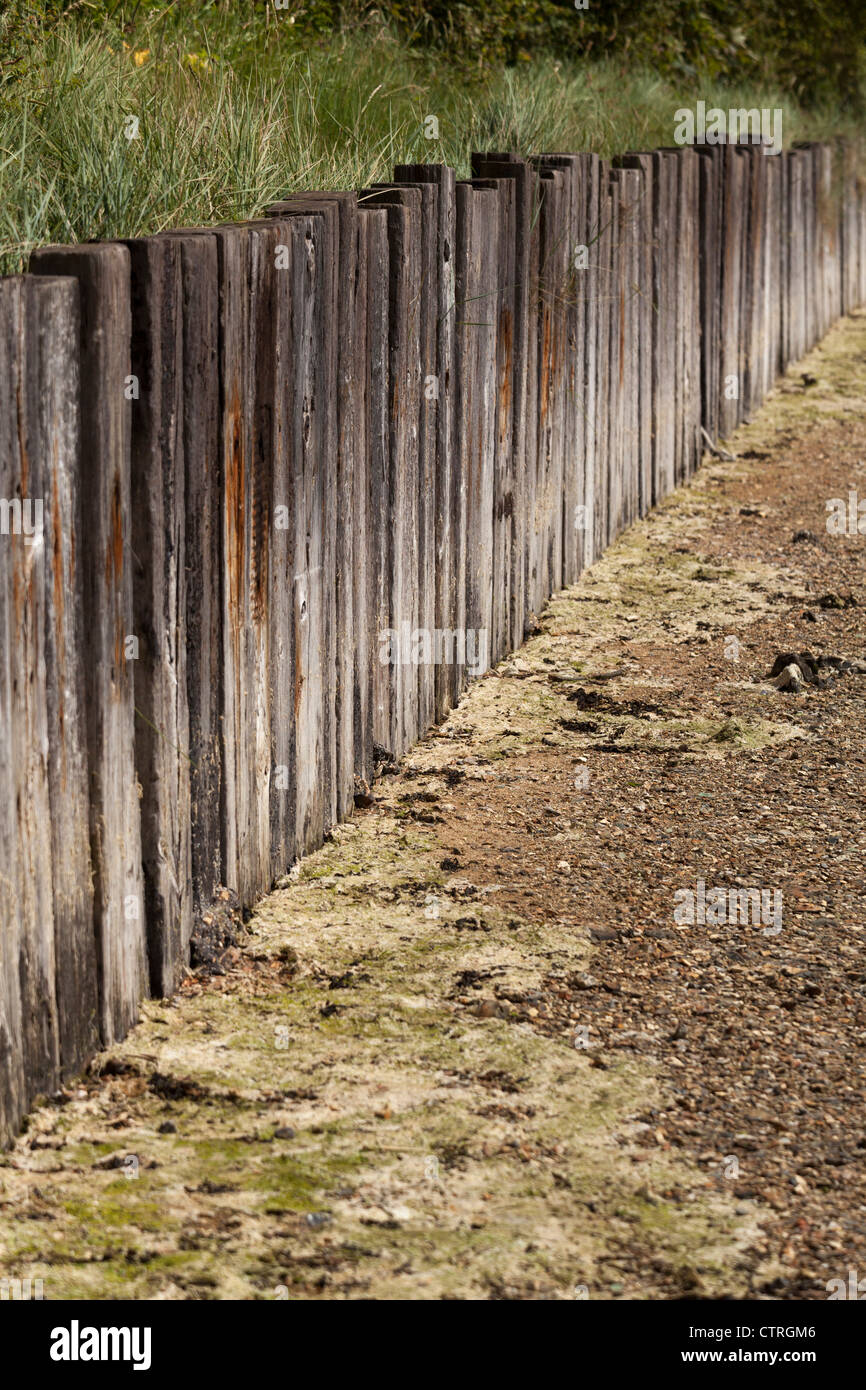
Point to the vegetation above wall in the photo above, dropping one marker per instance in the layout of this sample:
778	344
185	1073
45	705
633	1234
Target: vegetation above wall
118	119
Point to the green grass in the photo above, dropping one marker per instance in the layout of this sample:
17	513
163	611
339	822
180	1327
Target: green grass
231	118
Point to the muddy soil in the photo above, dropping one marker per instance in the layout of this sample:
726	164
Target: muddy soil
474	1047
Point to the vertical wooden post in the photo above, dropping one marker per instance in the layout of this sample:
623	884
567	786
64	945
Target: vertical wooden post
570	320
477	268
729	368
202	626
588	289
643	309
347	538
375	227
404	353
106	558
664	353
48	997
501	309
158	503
431	389
53	366
534	597
603	381
446	473
616	507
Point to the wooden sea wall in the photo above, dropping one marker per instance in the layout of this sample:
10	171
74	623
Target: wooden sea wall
272	493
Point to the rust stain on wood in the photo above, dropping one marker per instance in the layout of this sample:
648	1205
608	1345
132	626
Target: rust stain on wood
506	328
544	389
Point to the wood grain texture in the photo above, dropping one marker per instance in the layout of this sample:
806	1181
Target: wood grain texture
643	329
375	223
477	299
446	473
43	898
200	396
431	389
502	313
347	538
158	501
106	559
403	206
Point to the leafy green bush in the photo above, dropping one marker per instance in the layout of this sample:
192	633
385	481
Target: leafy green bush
814	49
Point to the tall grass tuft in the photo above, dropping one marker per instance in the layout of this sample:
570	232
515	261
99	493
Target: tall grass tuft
228	121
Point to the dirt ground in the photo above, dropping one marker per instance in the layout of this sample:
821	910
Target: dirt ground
471	1048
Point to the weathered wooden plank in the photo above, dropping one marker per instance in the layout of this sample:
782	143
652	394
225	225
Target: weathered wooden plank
552	368
848	228
770	306
628	182
347	537
752	288
445	578
588	290
686	377
572	307
793	229
203	476
14	1081
427	311
404	239
106	559
534	597
807	282
794	234
808	255
643	308
502	307
158	515
574	507
824	248
29	1024
784	251
476	272
314	424
689	269
516	328
664	334
447	565
729	364
634	360
375	226
831	186
279	404
616	507
53	367
245	776
323	403
677	282
362	570
709	243
603	389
